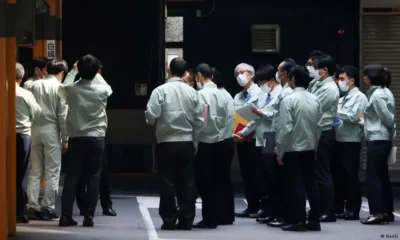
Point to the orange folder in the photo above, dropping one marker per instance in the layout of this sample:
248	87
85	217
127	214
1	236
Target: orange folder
239	124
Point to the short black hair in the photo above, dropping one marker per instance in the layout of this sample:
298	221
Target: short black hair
351	72
88	66
39	62
315	54
57	66
205	70
288	64
326	61
265	73
388	78
217	78
338	71
178	67
300	75
376	74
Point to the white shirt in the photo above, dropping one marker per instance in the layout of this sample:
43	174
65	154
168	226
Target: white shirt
27	110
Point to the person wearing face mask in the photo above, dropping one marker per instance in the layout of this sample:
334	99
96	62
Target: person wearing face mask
211	153
327	92
337	79
49	137
348	146
312	58
248	160
380	131
295	147
266	110
39	71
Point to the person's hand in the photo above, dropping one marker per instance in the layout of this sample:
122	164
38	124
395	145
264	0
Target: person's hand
279	160
257	111
276	151
64	147
75	67
238	137
361	116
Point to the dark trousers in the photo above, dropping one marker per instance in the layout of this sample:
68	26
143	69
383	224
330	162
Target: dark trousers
273	203
175	168
299	174
23	155
105	192
85	160
345	170
212	174
379	189
325	155
250	162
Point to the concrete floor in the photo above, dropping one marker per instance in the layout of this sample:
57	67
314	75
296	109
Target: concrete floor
137	206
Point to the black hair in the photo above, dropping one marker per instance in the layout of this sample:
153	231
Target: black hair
39	62
288	64
57	66
265	73
205	70
337	72
388	78
351	72
326	61
315	54
191	73
177	67
217	78
88	66
376	74
300	75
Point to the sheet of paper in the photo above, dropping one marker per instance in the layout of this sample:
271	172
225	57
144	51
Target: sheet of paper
392	156
247	113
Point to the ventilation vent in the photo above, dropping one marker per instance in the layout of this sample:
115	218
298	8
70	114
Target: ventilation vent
266	38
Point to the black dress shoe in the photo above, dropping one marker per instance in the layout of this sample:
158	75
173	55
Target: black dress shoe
375	220
168	226
88	221
67	222
184	227
296	227
313	226
109	212
276	223
390	217
23	219
202	225
329	217
244	214
351	216
264	220
33	214
257	214
340	215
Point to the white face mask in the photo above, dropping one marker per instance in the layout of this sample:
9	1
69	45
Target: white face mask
198	85
242	80
312	72
343	86
265	88
277	78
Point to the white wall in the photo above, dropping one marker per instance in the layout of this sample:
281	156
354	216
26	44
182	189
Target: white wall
380	3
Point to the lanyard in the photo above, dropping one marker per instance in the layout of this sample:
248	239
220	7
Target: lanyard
267	101
247	98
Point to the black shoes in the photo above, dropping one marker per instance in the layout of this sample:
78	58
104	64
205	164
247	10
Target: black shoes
247	214
328	217
22	219
88	221
276	222
264	220
202	225
66	221
377	219
302	227
109	212
33	214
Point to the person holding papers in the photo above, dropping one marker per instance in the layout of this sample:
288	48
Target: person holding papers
212	148
265	110
379	129
248	159
87	125
327	93
348	146
175	110
225	196
296	143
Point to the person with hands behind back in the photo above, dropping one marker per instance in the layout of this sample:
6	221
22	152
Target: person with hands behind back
296	144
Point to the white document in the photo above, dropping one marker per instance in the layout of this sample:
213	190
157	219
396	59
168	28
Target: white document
392	156
247	113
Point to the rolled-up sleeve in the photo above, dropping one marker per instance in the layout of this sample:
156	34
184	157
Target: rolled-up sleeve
70	78
154	108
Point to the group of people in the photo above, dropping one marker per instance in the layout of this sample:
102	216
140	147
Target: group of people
319	119
60	113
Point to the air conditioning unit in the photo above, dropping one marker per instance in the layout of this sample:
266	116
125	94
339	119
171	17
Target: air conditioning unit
266	38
